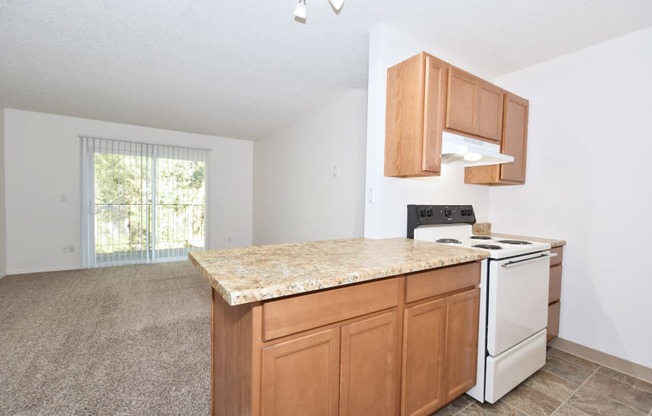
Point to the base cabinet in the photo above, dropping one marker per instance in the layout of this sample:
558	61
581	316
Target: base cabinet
301	376
554	293
402	345
440	344
461	343
369	366
349	370
424	345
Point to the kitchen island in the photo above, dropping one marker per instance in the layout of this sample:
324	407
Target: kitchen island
342	327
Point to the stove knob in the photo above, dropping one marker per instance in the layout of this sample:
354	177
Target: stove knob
469	212
448	213
422	212
429	212
464	212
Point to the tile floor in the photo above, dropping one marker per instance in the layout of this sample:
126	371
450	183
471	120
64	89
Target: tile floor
566	386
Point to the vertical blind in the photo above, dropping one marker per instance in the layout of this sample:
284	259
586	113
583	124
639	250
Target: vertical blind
142	202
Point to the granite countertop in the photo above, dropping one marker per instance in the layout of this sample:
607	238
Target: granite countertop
245	275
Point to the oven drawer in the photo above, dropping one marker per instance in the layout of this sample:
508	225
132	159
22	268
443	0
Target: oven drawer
436	282
509	369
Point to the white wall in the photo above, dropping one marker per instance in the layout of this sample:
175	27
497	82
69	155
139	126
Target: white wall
387	216
296	196
3	228
588	180
43	161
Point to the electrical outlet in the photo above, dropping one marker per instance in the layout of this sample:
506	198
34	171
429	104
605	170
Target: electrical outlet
68	249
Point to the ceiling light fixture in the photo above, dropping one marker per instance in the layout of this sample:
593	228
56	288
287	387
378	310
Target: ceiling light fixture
300	10
337	4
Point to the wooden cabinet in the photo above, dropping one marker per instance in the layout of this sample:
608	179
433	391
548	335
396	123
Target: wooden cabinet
405	344
424	346
350	370
461	343
301	376
440	339
554	293
426	96
369	369
514	143
474	106
416	90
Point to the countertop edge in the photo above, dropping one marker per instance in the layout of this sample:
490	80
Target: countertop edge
277	291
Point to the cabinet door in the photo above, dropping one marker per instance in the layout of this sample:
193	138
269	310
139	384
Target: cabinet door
301	376
463	104
515	138
461	342
490	124
433	114
416	90
369	377
424	336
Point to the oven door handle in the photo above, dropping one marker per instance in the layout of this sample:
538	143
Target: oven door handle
516	263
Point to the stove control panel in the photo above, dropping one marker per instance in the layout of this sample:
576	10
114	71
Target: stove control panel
418	215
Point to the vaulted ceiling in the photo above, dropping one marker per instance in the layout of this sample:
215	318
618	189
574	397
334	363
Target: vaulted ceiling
245	68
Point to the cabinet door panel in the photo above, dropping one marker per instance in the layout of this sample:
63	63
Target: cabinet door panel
369	367
424	335
462	109
433	114
301	376
490	124
553	320
515	138
462	342
404	118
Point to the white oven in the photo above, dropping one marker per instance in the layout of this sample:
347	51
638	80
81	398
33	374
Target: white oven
513	301
516	317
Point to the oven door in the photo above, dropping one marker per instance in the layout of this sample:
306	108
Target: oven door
517	305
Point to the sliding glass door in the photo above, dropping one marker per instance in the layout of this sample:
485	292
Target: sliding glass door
143	203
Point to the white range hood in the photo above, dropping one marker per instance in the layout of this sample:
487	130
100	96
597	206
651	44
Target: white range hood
471	152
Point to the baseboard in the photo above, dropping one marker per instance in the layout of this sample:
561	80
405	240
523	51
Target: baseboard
604	359
42	270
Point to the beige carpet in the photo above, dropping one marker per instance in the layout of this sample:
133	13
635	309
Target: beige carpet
130	340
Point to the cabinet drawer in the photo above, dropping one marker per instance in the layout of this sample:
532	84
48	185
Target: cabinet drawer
554	288
553	320
436	282
558	258
288	316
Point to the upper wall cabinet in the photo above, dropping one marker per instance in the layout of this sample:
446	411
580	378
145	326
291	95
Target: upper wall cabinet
474	106
514	143
426	96
416	93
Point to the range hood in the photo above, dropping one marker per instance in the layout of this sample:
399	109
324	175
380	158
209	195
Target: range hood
471	152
